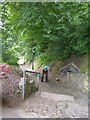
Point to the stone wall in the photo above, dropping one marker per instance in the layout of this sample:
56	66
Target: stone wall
78	82
31	84
30	88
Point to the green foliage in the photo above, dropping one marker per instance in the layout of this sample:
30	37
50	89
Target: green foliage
84	66
1	60
30	88
56	30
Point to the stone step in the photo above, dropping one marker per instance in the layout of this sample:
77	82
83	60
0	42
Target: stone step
57	97
76	110
19	113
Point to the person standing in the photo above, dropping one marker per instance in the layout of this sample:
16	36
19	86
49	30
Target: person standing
45	72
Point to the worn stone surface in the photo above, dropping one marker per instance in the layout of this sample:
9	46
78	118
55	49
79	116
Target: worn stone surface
44	104
57	97
55	106
48	105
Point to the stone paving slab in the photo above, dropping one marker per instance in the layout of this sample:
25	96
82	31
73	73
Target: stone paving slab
55	106
48	105
76	110
19	113
57	97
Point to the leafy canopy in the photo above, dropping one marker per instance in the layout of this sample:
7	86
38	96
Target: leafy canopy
56	30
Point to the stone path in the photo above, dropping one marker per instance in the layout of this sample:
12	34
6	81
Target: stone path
54	106
18	113
47	104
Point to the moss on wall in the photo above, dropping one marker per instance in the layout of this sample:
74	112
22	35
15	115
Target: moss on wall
30	88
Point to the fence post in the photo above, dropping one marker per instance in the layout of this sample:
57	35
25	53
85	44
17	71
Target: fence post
67	76
23	91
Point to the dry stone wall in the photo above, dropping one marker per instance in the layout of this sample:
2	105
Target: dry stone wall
78	82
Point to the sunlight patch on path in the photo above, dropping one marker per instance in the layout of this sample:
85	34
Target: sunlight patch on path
19	113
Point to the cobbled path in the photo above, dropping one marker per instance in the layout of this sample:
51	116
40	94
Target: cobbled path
51	105
51	101
47	103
